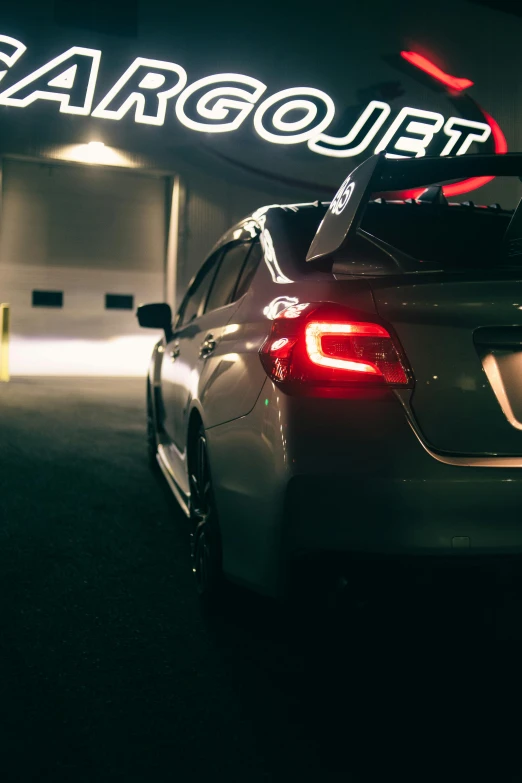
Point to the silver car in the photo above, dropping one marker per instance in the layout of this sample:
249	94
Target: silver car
345	381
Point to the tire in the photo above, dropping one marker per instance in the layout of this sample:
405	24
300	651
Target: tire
152	443
206	538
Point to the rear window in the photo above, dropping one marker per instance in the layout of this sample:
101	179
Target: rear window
451	237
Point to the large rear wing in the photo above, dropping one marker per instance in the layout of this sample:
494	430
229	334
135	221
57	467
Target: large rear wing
380	174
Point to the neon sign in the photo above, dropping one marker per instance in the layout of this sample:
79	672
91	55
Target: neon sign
221	103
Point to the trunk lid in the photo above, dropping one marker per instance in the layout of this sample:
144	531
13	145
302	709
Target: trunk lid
462	335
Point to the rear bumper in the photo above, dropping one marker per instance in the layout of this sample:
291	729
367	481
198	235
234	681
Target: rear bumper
431	517
363	482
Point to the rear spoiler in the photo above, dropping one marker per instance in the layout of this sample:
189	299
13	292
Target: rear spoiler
380	174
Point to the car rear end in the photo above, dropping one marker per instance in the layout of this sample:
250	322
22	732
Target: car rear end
417	451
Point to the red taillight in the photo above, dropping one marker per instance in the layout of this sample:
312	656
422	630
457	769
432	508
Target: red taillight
319	346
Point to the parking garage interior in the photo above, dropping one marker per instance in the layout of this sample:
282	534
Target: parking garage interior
111	671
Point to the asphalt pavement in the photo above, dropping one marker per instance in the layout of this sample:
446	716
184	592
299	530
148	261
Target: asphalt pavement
109	670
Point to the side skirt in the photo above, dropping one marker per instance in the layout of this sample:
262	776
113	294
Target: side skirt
180	496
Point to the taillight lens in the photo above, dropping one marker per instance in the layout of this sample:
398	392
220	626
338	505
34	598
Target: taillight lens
323	346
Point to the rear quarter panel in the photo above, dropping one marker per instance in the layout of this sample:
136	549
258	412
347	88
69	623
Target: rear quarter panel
230	383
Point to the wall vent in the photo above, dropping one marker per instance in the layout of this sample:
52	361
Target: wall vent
119	302
47	298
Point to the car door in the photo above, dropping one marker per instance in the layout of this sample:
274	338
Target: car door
198	338
176	368
233	374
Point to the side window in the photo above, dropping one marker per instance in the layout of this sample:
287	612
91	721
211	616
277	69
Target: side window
249	270
196	297
227	275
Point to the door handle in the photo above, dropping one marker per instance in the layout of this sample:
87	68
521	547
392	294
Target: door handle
207	346
174	353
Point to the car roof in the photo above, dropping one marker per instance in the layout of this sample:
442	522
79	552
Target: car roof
282	225
266	217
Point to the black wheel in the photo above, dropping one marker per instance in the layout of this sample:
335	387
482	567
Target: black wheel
152	443
206	539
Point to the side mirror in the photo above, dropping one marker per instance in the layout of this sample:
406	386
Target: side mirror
155	316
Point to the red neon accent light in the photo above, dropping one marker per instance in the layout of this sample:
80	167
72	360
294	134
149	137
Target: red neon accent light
500	140
501	147
453	82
